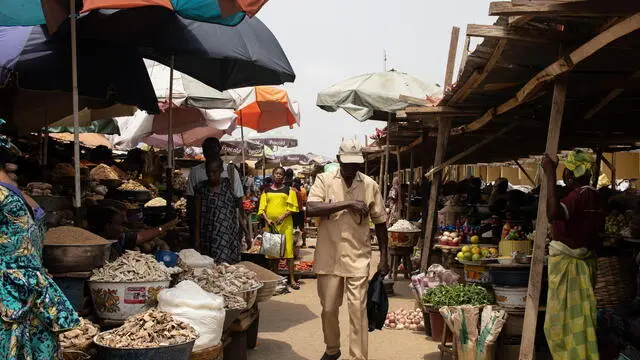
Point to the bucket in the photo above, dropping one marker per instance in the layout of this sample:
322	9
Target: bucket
477	274
120	300
427	323
173	352
437	325
511	297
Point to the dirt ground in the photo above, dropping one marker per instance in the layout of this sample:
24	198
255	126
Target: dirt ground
290	328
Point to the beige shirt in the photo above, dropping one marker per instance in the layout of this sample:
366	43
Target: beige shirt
343	246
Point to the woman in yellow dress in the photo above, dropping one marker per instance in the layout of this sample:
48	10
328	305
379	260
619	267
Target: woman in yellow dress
277	203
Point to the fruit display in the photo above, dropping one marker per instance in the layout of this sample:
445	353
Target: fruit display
450	238
515	233
405	320
476	253
615	223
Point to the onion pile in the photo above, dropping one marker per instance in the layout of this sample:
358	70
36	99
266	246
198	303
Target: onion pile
405	320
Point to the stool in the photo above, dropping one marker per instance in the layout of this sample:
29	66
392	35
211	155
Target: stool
446	348
400	255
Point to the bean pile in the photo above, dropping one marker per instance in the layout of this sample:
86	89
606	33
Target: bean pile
71	235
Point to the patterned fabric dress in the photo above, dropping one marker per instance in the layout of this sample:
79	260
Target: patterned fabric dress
32	307
219	228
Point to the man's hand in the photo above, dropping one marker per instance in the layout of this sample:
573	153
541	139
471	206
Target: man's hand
359	207
383	267
549	164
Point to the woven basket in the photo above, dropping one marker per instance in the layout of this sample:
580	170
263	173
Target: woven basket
211	353
615	281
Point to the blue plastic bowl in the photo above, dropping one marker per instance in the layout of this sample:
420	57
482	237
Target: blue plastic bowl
169	258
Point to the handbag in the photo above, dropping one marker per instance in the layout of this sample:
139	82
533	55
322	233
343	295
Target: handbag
273	244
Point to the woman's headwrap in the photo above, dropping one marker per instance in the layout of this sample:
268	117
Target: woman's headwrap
579	162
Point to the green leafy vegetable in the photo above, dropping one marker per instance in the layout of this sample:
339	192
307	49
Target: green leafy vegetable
456	295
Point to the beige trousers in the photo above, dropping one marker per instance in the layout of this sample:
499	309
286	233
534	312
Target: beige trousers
331	290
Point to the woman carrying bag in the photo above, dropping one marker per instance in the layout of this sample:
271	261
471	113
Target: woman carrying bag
277	203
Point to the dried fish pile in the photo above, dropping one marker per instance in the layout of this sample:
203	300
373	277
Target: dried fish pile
80	336
132	266
149	329
132	185
225	280
39	189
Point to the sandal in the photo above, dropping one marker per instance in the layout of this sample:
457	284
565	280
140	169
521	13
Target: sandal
295	286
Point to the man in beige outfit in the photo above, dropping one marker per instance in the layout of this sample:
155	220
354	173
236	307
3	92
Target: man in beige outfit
345	199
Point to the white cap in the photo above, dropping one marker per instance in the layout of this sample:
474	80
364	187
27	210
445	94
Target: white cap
351	152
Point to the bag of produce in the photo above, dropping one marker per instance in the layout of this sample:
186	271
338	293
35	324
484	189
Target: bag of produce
203	310
475	332
273	245
194	259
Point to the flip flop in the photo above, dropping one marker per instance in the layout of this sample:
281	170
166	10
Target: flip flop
295	286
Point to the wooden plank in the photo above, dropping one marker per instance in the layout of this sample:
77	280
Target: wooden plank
537	262
381	176
524	171
441	146
608	98
477	77
442	111
581	9
613	171
516	33
451	61
411	178
527	2
557	68
470	150
465	55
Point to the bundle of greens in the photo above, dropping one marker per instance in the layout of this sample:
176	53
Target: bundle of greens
457	295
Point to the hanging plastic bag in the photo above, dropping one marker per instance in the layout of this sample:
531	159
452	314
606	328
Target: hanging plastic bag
204	311
273	244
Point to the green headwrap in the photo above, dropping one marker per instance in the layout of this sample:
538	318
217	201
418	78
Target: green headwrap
578	162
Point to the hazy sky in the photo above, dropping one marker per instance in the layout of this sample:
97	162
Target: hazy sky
327	41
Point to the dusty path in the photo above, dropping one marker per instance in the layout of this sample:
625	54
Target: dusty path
290	329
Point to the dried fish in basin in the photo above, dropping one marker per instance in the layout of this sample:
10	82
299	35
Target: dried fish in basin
133	266
79	336
153	328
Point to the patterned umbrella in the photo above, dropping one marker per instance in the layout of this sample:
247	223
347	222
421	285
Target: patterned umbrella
54	12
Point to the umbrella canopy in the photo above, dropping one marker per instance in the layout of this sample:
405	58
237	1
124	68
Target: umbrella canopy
275	139
220	56
89	140
86	116
35	76
265	108
104	126
232	147
187	91
192	127
54	12
374	96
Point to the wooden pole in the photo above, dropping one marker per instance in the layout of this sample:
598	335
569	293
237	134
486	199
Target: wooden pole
453	49
596	171
386	159
444	127
366	162
411	179
535	276
381	177
613	170
77	201
524	171
399	178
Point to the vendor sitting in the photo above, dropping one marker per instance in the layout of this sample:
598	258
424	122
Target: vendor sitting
109	222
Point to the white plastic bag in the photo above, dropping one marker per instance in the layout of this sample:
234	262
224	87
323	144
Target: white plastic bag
202	310
273	245
194	259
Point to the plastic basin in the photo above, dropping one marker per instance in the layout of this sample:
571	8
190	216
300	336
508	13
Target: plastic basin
120	300
169	352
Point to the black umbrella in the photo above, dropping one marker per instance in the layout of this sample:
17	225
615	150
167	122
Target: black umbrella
220	56
35	77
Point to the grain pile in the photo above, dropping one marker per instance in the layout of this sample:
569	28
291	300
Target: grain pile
132	186
133	266
156	202
103	172
71	235
224	280
150	329
80	336
63	170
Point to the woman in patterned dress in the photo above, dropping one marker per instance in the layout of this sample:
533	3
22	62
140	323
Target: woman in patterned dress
33	310
219	231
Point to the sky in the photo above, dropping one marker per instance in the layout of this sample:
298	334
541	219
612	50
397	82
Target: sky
328	41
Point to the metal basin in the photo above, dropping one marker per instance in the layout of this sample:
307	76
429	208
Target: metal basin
169	352
60	259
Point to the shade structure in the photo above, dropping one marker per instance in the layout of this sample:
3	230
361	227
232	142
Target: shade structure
232	147
187	91
104	126
35	77
274	139
193	126
220	56
89	116
375	95
264	108
90	140
54	12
